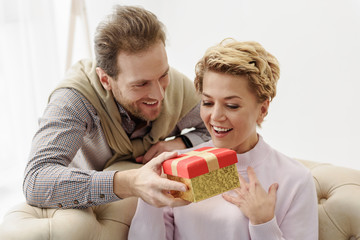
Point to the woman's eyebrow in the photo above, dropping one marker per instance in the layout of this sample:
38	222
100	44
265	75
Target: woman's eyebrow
227	98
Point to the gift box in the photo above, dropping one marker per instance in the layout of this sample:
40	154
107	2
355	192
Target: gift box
207	172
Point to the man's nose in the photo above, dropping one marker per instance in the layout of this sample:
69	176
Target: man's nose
157	91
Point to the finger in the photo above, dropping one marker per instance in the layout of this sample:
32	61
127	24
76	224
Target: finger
242	180
161	200
252	175
150	154
157	153
156	162
253	180
178	202
231	199
168	185
273	190
241	192
139	159
169	200
237	191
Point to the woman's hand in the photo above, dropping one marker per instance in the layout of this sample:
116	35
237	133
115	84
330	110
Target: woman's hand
254	202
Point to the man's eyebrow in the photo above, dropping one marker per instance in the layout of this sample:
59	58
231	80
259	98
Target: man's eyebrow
147	80
140	81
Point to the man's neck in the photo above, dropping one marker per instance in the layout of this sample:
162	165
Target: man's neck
139	123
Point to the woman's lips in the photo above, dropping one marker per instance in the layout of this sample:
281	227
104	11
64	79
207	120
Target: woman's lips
220	131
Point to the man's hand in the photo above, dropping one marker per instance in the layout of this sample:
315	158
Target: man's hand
254	202
160	147
147	184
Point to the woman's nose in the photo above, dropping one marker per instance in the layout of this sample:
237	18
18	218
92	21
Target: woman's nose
218	113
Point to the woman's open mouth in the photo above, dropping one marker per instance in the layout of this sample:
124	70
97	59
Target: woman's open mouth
221	130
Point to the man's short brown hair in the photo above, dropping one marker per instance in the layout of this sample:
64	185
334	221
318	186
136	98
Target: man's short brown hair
128	29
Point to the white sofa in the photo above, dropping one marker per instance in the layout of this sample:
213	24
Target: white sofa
338	191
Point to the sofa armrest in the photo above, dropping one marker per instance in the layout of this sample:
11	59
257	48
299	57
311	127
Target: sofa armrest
338	192
104	222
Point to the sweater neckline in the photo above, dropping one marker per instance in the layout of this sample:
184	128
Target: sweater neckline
253	157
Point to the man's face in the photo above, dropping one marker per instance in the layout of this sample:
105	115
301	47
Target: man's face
140	86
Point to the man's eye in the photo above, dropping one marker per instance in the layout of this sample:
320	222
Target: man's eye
165	75
141	84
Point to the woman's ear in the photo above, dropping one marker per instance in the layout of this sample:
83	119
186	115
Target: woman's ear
104	78
264	107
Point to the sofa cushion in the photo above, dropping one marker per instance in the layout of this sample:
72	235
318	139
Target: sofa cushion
338	191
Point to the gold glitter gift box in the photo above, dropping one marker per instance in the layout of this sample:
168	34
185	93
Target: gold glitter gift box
207	172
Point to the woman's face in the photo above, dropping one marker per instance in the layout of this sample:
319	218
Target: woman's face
231	111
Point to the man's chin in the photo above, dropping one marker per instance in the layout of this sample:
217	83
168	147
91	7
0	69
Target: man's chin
146	116
152	117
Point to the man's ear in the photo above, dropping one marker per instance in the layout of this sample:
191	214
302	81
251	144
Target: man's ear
263	111
104	78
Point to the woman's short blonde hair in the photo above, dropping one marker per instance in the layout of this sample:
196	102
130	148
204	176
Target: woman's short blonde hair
239	59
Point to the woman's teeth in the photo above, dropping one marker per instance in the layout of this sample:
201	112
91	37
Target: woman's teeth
221	130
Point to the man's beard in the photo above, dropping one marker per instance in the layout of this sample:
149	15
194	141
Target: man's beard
134	111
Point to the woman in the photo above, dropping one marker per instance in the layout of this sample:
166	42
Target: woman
277	197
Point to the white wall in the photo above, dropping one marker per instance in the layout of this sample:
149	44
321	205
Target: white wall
315	115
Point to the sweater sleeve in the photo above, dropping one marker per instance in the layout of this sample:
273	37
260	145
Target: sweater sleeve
300	222
192	120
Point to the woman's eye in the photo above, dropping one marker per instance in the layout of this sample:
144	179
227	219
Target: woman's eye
205	103
231	106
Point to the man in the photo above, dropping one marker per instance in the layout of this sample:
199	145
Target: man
119	108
